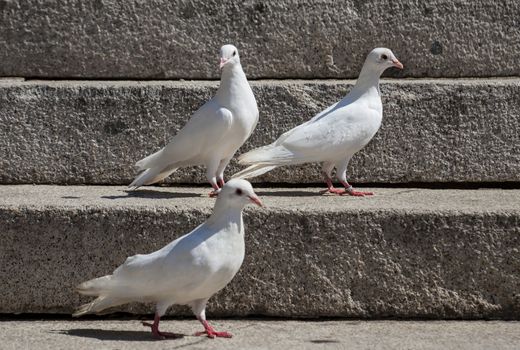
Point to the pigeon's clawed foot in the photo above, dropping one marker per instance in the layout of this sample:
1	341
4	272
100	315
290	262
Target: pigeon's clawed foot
211	333
331	188
158	334
334	190
355	193
216	188
352	192
214	334
214	193
349	190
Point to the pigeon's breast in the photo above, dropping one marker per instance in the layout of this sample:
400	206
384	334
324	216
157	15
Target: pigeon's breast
245	118
219	259
367	129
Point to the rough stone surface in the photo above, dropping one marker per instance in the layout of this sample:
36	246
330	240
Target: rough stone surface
278	39
264	334
93	132
403	253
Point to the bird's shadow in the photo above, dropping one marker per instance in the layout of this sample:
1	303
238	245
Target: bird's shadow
103	334
324	341
131	336
153	194
289	193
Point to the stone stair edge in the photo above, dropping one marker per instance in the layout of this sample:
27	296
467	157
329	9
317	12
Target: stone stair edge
494	80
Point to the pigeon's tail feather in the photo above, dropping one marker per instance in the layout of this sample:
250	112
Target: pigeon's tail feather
96	286
107	291
264	159
253	171
255	156
144	178
163	174
152	175
148	162
271	154
98	305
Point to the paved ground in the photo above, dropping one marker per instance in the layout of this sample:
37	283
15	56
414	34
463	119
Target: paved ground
264	334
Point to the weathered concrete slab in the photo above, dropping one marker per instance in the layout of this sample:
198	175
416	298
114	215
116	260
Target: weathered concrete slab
263	334
93	132
278	39
404	253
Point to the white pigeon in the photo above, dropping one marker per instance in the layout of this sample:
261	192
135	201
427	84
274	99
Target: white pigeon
213	134
335	134
188	271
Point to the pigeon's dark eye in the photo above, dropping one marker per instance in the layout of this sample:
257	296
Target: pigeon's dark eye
384	57
234	53
238	191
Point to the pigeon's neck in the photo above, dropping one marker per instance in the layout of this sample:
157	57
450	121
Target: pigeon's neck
226	216
233	82
367	83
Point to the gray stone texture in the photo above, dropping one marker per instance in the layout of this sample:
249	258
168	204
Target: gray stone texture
69	132
167	39
403	253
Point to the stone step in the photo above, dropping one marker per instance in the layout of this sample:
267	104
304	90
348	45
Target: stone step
92	132
403	253
277	39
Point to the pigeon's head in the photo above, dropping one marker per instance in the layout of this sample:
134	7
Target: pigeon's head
228	56
382	58
238	193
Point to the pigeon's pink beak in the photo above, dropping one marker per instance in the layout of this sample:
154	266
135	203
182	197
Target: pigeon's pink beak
223	61
397	64
256	200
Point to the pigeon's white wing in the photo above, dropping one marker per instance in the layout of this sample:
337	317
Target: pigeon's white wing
328	133
318	116
325	112
196	139
140	276
207	127
324	136
179	268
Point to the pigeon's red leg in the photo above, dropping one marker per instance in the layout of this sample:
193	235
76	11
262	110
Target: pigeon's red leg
220	171
158	334
216	190
211	172
331	188
210	332
352	192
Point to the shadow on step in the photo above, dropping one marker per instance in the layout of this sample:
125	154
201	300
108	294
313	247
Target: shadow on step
115	335
103	334
153	194
290	193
